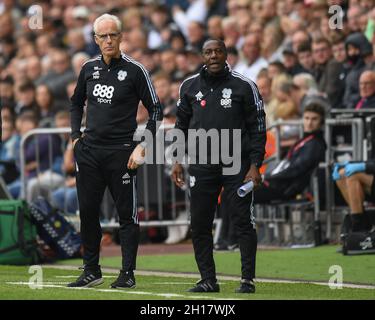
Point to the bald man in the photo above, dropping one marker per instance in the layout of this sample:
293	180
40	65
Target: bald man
366	90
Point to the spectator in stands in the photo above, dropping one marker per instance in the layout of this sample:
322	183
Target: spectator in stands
327	72
305	57
77	61
33	69
273	104
214	27
44	101
233	57
77	43
162	84
287	109
6	25
8	49
366	90
276	68
298	38
354	14
177	41
357	48
51	177
37	159
291	176
290	61
272	42
8	155
355	181
7	92
231	32
196	35
183	68
65	198
253	61
59	76
196	12
168	62
26	98
160	20
305	92
338	47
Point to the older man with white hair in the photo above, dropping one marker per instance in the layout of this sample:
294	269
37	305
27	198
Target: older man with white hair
106	154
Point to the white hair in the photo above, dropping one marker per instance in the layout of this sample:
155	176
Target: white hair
80	57
307	81
107	16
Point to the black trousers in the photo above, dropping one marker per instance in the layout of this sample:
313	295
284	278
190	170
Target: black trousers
96	169
205	186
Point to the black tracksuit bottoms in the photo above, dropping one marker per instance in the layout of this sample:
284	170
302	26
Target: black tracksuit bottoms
205	186
96	169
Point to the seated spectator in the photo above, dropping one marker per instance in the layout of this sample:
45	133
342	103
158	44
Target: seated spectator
327	72
196	35
272	43
253	61
305	57
44	101
38	152
51	178
338	47
7	92
8	168
290	61
275	68
26	98
264	85
65	197
305	92
58	77
357	48
366	90
214	29
291	176
354	181
286	109
274	102
162	84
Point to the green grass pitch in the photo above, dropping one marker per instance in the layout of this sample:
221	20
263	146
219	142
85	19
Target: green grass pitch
299	264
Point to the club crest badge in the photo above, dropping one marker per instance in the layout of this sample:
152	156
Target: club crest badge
121	75
226	100
192	181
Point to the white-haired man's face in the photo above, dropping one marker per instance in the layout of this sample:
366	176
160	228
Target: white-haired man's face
108	38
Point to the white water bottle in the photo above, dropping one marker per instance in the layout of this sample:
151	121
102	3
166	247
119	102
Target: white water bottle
245	189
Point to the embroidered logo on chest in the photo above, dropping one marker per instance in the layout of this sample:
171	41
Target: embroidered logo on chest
199	96
226	100
121	75
96	75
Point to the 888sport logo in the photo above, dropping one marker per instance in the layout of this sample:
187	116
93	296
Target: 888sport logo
103	92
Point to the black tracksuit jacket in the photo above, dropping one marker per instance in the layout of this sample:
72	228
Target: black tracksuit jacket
113	93
224	101
304	156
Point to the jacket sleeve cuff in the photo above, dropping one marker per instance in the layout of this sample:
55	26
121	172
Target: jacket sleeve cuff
75	135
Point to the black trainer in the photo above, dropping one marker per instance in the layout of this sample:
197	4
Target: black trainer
247	286
88	278
125	280
205	286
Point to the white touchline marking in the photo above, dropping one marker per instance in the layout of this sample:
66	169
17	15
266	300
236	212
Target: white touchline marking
228	278
165	295
78	276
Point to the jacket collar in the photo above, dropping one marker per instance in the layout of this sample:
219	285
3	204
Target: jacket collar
215	77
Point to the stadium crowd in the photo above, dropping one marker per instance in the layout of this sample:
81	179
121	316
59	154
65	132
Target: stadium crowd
296	51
